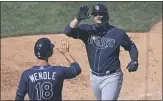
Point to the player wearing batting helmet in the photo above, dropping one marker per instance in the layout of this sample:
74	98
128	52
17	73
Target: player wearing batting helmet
44	81
103	42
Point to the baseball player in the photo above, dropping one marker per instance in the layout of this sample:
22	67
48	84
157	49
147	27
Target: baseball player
103	42
44	81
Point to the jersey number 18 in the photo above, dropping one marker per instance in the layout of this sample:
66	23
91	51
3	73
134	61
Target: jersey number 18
44	91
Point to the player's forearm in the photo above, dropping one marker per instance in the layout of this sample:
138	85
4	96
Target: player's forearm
69	58
74	23
73	70
76	68
70	30
134	53
75	65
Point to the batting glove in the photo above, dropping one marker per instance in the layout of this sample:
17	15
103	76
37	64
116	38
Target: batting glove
132	66
83	13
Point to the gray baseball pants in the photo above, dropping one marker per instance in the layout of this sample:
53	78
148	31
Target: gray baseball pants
107	87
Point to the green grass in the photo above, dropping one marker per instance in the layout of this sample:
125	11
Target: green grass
27	18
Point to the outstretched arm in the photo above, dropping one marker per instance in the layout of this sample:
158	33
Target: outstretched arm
64	50
71	29
74	68
69	58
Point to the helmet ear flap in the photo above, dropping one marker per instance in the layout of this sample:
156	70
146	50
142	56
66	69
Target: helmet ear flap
105	18
50	53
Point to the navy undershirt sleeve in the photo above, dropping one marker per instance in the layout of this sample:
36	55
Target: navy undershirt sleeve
130	46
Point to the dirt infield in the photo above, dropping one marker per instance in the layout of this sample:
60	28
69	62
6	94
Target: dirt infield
17	56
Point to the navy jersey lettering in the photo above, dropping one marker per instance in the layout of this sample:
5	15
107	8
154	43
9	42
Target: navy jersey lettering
42	76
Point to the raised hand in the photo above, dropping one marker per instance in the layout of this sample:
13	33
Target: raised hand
83	13
64	46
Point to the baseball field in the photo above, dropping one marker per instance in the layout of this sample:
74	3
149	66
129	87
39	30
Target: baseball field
22	23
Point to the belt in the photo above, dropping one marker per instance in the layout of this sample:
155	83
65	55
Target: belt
104	74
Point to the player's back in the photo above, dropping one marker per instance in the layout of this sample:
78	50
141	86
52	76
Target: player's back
44	83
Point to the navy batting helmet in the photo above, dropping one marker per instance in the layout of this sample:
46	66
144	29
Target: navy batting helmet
99	8
43	48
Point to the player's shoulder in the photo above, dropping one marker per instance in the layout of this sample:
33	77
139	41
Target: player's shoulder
58	68
26	72
119	31
34	68
117	28
85	27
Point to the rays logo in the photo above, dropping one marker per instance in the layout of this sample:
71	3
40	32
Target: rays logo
102	42
97	7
